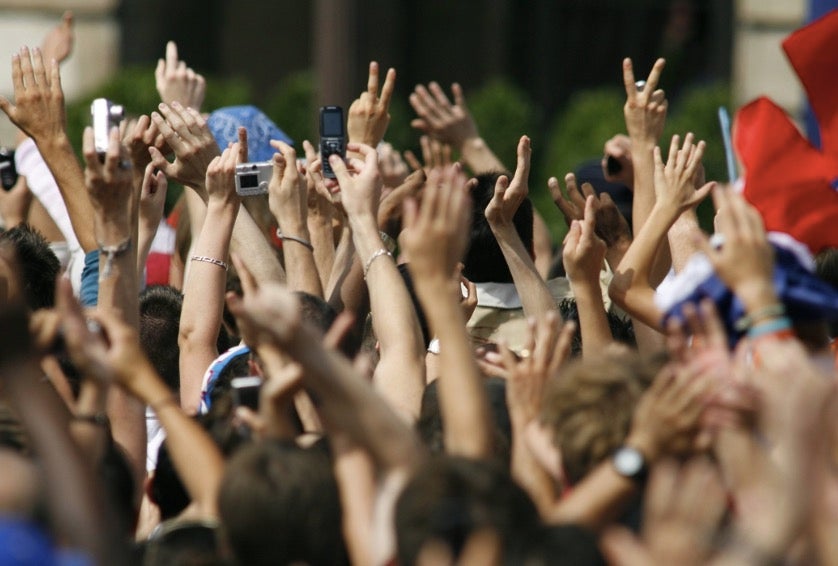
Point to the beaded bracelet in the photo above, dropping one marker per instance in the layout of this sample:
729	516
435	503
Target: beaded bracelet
300	241
771	311
777	327
212	260
377	254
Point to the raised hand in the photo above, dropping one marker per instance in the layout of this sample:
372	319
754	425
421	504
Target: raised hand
645	108
58	43
152	197
187	133
583	251
361	186
682	512
547	347
394	170
221	178
446	122
675	182
288	199
618	149
178	83
143	135
369	114
109	186
435	236
38	109
508	194
745	260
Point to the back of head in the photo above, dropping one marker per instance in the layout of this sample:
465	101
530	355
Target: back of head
590	408
160	307
38	265
484	260
279	504
449	498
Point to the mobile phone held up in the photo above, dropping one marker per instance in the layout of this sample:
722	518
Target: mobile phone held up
245	391
104	115
8	171
332	137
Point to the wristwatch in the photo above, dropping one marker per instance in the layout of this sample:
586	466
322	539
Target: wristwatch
630	463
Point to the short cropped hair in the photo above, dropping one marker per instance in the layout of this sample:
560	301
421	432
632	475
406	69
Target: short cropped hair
38	264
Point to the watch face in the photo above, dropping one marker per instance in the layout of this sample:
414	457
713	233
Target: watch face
628	461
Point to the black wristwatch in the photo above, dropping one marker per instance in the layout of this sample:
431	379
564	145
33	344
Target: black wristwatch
630	463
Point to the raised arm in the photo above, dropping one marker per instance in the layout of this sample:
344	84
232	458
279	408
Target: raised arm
288	201
77	508
188	135
346	399
369	115
583	254
111	193
203	291
39	112
435	238
176	82
631	287
535	296
400	374
195	456
452	124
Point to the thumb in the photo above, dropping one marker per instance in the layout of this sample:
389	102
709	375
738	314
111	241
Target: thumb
339	168
7	107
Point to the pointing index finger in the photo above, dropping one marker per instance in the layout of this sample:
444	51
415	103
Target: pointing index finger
628	78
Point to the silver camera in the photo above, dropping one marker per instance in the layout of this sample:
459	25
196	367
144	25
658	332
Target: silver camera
105	116
253	178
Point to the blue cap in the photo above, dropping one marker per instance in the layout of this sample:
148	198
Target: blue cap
224	124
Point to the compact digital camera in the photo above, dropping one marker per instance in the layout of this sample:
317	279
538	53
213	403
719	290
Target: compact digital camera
332	137
253	178
8	170
105	115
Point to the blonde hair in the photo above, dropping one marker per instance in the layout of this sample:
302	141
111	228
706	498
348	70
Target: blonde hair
589	408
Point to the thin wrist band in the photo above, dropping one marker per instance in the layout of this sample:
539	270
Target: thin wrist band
377	254
212	260
111	253
300	241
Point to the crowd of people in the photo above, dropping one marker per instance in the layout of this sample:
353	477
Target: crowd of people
426	380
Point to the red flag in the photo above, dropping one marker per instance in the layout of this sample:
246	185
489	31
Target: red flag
792	184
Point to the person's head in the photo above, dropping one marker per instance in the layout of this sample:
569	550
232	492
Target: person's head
160	307
484	260
449	498
37	264
279	504
430	425
622	328
589	410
